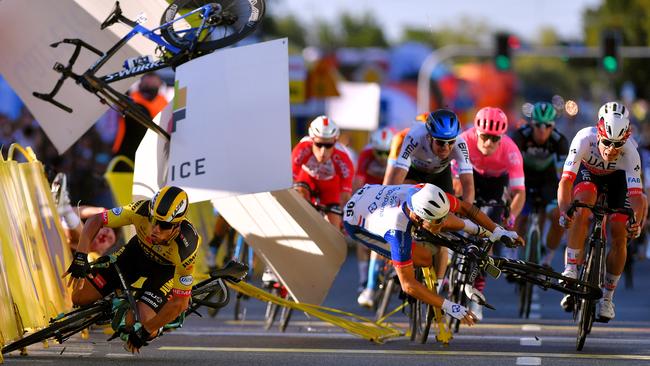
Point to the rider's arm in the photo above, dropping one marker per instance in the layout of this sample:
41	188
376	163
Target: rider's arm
90	229
564	193
415	288
467	181
579	147
170	311
476	215
518	201
394	175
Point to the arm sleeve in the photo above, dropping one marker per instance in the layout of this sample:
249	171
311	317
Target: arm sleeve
121	216
345	169
574	157
400	247
632	166
407	145
515	167
461	155
184	270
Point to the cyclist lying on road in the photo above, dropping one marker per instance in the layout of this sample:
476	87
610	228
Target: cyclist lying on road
163	251
382	217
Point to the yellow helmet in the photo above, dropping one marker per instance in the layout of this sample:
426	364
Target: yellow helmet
169	205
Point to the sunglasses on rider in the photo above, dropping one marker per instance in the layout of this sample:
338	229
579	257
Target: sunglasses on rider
381	154
327	145
544	125
164	225
486	136
614	144
442	143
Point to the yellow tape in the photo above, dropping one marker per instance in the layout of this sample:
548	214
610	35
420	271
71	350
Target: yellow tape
361	327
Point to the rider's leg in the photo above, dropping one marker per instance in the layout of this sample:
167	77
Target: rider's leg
334	219
84	293
363	254
584	192
375	263
616	255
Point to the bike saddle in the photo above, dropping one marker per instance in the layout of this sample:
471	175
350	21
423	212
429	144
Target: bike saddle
477	297
113	17
233	270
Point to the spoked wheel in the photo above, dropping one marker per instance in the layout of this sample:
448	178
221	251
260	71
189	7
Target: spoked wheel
426	318
285	316
385	297
228	22
64	327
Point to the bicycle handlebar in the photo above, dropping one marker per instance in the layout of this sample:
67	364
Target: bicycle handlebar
602	210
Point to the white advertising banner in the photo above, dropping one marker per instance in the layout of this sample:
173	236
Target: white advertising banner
27	28
357	107
305	251
231	132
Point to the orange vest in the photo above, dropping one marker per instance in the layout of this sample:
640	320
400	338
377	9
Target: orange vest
153	106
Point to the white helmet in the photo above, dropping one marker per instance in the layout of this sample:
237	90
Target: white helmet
429	203
381	139
613	121
323	127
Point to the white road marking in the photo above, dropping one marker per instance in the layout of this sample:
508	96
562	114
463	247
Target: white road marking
530	361
119	355
527	341
531	328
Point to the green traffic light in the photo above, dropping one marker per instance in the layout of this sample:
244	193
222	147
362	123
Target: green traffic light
502	62
610	63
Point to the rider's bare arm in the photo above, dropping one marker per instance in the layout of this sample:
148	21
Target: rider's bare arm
90	229
477	216
170	311
518	201
394	175
564	193
467	181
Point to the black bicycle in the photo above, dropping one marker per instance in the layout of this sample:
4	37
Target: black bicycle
188	29
532	252
593	269
211	293
476	252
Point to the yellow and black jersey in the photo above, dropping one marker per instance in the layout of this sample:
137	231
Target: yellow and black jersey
179	252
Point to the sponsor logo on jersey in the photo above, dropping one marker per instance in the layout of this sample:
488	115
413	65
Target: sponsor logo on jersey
186	280
372	207
634	180
409	148
117	211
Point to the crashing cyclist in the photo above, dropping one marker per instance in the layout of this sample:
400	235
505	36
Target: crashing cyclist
544	150
382	217
601	157
498	172
163	250
371	168
322	170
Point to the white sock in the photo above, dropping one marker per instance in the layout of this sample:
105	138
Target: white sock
611	281
572	257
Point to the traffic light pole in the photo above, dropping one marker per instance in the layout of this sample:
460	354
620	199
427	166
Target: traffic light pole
448	52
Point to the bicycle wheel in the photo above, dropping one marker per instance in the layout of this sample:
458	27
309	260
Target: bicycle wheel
414	317
285	316
587	307
525	287
271	310
426	320
65	326
235	20
385	297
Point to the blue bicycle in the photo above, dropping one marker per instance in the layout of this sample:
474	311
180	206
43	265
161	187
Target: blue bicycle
188	29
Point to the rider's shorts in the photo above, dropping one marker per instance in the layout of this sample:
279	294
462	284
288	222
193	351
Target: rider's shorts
442	179
615	184
542	186
328	191
491	189
133	264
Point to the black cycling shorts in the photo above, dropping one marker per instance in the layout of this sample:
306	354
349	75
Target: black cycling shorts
491	189
615	183
540	186
442	180
133	264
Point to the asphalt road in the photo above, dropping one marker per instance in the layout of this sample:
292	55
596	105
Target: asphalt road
547	338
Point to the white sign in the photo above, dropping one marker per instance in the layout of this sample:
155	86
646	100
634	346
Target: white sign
357	107
232	134
27	28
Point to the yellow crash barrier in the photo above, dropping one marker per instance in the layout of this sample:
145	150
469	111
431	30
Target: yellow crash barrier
358	325
33	252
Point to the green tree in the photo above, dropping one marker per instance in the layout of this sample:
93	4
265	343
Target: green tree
351	31
632	19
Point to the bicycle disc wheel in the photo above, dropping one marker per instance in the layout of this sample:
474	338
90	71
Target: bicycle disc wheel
64	327
236	20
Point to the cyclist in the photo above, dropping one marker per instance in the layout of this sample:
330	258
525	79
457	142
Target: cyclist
427	153
163	251
322	170
498	168
599	157
382	217
544	150
371	168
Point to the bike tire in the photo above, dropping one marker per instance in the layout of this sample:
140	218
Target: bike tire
385	298
587	307
426	322
526	288
285	316
271	310
414	317
69	324
241	18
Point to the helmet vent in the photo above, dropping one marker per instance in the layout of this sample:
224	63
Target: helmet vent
434	203
428	212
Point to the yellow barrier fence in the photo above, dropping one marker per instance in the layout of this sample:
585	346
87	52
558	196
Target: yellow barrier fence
33	252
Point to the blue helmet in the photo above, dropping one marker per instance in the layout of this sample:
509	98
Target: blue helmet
443	124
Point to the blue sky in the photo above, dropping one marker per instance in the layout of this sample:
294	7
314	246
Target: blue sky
524	17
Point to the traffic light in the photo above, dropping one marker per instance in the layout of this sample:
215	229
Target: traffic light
610	59
504	44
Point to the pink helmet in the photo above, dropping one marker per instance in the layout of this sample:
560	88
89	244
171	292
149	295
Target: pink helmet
491	121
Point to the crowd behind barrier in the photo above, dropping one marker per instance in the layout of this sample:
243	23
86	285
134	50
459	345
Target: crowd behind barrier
34	254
